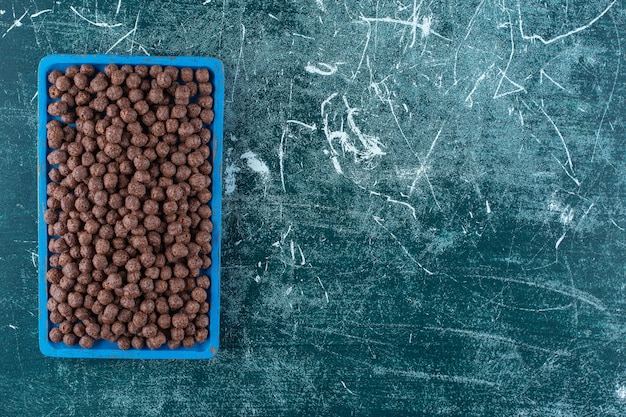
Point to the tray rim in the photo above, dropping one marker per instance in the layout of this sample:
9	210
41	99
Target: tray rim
209	348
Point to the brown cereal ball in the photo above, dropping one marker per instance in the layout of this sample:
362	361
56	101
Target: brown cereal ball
149	330
124	343
202	335
155	96
157	341
202	75
105	297
55	335
112	282
179	250
58	108
193	110
114	93
70	339
75	299
175	192
189	341
192	307
174	344
147	306
133	80
205	101
118	328
185	129
99	83
118	77
199	294
152	222
205	88
93	329
54	75
180	320
138	342
177	334
175	302
56	317
128	114
63	83
163	79
207	116
186	74
100	262
179	111
201	321
86	342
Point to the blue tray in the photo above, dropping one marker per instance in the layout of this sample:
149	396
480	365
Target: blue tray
102	348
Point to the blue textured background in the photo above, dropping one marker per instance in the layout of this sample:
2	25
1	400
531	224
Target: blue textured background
423	208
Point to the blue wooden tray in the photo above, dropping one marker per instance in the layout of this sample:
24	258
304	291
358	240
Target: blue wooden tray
102	348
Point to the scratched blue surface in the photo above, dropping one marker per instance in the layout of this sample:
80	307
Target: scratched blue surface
423	210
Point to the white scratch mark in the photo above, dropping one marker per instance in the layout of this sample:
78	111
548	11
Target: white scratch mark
506	69
299	123
565	35
130	32
325	69
608	102
303	36
289	290
422	168
488	206
117	9
302	259
257	279
491	337
391	200
230	180
34	96
323	289
292	247
40	13
281	155
425	25
367	42
243	37
371	144
404	249
615	224
99	24
467	33
273	17
336	165
2	12
543	74
283	237
320	4
206	2
621	392
476	84
558	132
553	287
256	165
347	389
558	242
439	377
566	171
13	326
16	24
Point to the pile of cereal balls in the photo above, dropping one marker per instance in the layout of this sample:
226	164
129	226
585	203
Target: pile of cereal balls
128	221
